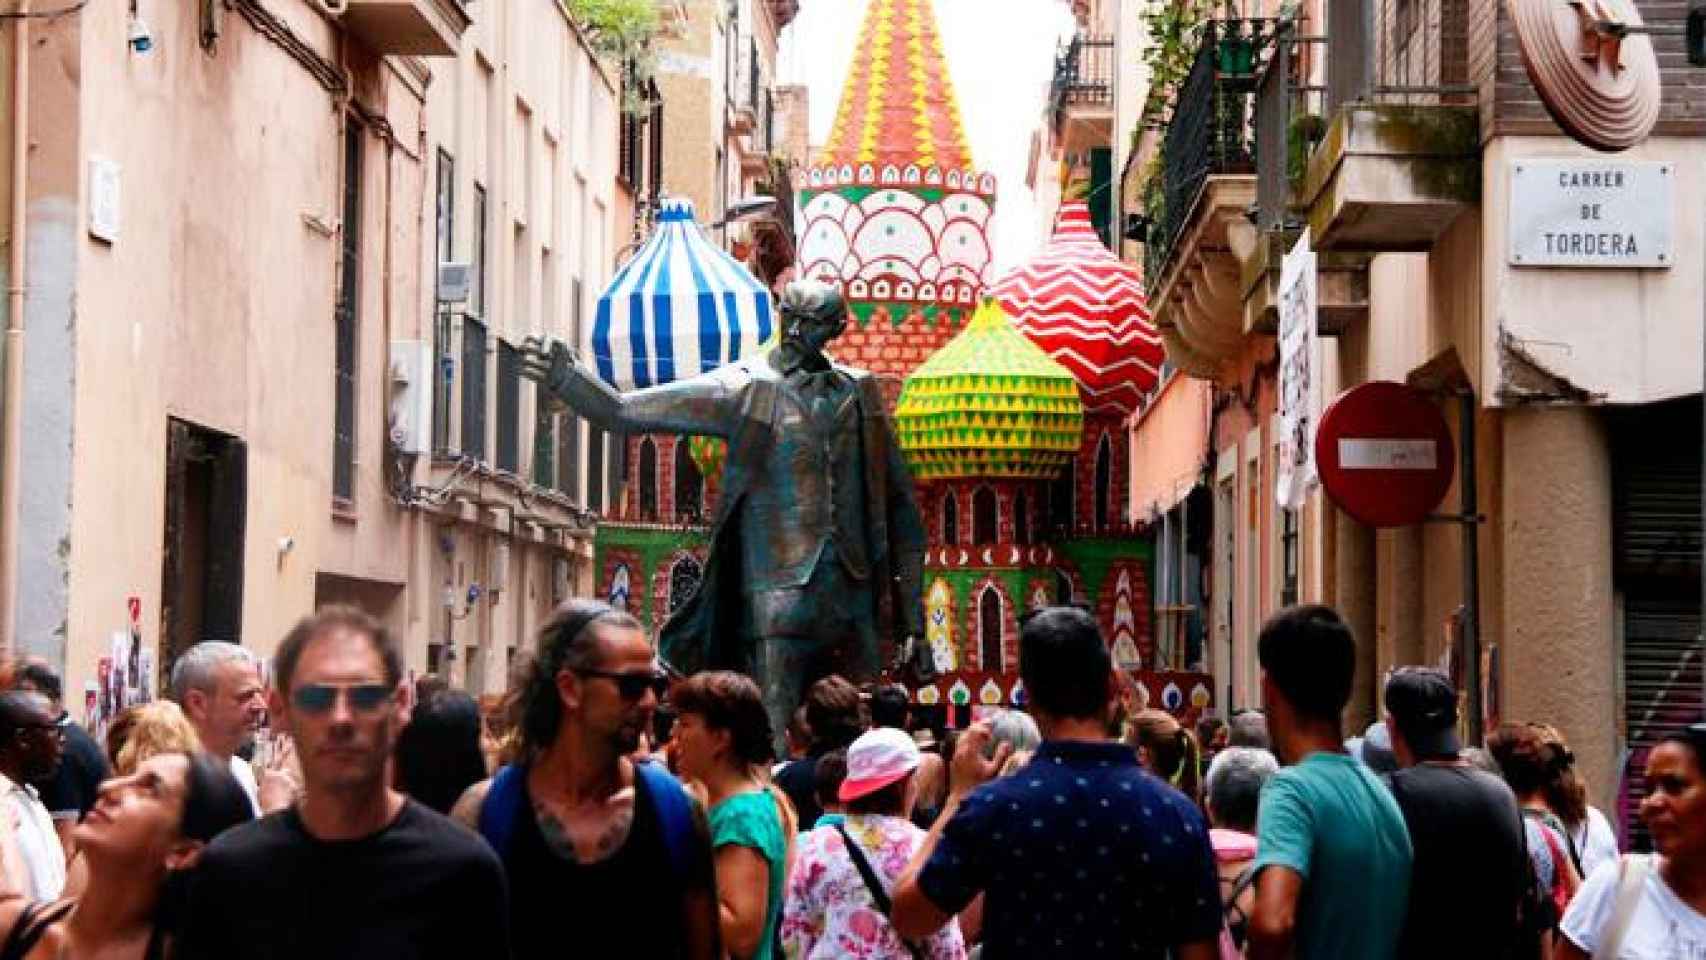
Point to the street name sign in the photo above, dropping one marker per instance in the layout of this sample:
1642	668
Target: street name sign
1384	454
1592	213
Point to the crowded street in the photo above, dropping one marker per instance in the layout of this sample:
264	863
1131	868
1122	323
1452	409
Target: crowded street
853	479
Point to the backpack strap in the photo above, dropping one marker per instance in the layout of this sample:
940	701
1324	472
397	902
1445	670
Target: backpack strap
675	814
879	896
31	926
504	806
1631	878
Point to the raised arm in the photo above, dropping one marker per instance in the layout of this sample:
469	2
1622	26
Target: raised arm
706	405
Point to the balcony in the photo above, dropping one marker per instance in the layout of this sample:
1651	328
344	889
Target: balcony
420	28
1400	157
1288	129
1197	205
744	94
1083	78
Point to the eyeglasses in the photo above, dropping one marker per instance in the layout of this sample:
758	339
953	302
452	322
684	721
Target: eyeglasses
317	698
633	686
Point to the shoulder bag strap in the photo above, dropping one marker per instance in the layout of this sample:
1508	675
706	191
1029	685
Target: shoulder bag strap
674	811
873	884
1631	878
32	924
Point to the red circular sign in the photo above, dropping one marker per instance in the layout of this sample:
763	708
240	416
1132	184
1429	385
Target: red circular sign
1384	454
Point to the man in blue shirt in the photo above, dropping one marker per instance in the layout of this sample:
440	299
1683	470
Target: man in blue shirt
1332	854
1080	853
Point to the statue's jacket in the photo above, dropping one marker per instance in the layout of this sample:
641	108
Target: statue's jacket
791	486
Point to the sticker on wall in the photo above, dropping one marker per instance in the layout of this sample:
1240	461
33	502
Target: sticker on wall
92	719
959	694
1124	643
990	693
620	587
939	626
1200	697
1172	698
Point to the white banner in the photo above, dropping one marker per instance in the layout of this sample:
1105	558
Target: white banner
1297	390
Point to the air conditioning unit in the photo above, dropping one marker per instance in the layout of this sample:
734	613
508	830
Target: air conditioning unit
454	279
333	8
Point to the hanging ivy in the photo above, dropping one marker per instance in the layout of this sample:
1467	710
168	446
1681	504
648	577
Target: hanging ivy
1175	30
622	32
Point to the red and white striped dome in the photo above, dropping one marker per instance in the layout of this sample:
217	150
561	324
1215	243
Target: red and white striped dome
1085	308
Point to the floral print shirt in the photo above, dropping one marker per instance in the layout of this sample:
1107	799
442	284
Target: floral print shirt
829	913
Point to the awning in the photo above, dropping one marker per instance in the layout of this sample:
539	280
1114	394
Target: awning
680	307
1169	446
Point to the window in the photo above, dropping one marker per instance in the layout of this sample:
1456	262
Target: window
648	479
349	269
1288	557
989	630
509	408
689	484
544	441
477	301
1021	518
473	388
985	517
629	133
446	226
654	151
595	470
950	519
1104	481
1060	496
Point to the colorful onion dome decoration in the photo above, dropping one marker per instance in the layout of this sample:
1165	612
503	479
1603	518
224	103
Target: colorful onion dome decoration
893	209
680	307
989	404
1086	307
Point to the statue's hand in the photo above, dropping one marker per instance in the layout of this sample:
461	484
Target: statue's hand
547	360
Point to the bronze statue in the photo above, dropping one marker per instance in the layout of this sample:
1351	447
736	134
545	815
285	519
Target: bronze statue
817	549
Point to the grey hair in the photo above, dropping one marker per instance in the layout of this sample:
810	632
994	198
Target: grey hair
1235	780
195	667
1016	727
1248	728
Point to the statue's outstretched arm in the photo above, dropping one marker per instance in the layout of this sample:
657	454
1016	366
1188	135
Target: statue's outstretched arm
704	405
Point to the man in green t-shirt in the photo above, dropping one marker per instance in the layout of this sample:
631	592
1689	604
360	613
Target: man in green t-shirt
1333	854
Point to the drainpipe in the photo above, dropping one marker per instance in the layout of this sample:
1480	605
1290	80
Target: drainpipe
11	428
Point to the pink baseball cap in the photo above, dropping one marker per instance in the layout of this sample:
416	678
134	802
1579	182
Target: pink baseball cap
875	760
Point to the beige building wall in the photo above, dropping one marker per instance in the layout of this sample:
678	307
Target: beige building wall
215	304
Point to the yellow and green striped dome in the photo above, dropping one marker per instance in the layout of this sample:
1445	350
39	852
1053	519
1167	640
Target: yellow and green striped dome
989	404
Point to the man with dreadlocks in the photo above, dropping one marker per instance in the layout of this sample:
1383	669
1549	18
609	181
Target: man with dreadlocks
818	547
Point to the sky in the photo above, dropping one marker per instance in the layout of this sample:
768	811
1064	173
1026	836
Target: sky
1001	57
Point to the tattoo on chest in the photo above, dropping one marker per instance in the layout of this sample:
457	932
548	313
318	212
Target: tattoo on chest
585	837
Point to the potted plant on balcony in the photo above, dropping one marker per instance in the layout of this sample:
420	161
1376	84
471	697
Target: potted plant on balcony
1235	55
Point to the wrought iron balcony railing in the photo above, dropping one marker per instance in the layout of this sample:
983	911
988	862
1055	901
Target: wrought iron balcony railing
1083	75
1209	131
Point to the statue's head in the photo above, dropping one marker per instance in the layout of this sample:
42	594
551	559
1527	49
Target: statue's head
813	314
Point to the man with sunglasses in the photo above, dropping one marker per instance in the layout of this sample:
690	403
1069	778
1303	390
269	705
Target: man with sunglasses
31	745
354	869
590	838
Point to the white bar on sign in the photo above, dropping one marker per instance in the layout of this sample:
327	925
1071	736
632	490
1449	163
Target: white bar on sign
1387	455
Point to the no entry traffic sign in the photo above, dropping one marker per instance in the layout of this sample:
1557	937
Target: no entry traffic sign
1384	454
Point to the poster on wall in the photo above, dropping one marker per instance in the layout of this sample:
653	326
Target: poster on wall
1295	464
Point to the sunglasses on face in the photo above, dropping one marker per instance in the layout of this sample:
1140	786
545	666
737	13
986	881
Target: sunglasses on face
633	685
317	698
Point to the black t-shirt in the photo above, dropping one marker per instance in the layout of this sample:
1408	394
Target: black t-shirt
798	780
423	888
1470	870
82	767
627	905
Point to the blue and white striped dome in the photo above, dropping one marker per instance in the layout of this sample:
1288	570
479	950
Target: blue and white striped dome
680	307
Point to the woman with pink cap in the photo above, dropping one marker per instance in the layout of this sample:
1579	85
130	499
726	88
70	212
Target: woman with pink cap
837	902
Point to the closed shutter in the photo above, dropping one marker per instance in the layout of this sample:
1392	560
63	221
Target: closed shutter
1657	538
